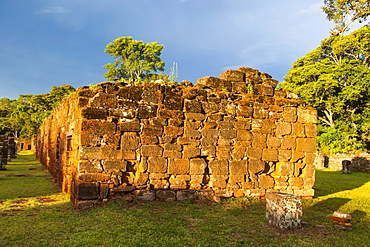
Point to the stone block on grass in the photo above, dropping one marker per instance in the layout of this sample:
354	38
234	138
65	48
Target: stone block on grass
284	211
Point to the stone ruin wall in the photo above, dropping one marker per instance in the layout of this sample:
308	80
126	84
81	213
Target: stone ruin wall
236	135
3	151
8	150
359	162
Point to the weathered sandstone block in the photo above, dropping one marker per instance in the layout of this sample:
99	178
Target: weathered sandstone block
131	93
270	154
145	195
157	164
191	152
193	106
171	114
151	150
307	115
264	90
232	75
197	166
103	100
129	126
178	166
99	153
283	128
238	167
218	167
284	211
254	153
109	165
89	166
266	181
130	141
184	195
215	83
85	191
218	181
94	113
306	144
165	195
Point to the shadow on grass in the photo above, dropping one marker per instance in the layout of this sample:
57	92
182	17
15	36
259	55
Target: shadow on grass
321	211
329	182
329	205
358	215
24	156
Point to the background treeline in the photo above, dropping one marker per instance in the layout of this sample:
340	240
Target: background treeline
22	117
335	79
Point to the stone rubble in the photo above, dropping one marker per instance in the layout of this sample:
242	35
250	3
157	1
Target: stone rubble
342	220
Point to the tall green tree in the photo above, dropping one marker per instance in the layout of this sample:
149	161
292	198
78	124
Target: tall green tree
7	127
335	79
134	60
344	12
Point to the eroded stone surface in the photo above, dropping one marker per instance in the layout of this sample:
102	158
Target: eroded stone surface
236	135
284	211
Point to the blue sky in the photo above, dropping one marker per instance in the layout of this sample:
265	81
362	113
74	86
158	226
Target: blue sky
47	43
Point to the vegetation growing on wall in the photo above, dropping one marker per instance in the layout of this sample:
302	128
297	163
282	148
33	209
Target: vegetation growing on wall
23	116
174	73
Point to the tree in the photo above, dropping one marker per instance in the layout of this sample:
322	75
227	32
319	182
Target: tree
135	60
335	79
345	12
7	106
23	116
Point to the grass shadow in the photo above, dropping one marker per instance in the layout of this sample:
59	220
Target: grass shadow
358	215
329	205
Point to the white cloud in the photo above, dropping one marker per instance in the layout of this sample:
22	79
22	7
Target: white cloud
311	9
54	10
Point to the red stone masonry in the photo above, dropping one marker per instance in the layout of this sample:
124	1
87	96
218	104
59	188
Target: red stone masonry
236	135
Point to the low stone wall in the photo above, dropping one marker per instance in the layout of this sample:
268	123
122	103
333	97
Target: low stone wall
235	135
359	162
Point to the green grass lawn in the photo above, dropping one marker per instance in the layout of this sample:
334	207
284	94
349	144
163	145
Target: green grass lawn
34	213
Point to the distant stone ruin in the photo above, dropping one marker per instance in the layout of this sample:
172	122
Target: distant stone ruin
358	162
3	151
12	149
8	150
232	136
